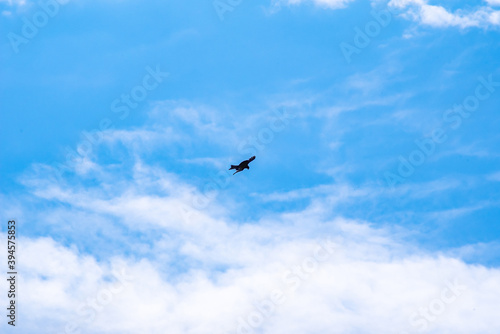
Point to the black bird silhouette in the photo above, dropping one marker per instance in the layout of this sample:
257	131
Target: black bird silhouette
242	165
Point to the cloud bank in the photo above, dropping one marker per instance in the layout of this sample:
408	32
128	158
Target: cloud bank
126	249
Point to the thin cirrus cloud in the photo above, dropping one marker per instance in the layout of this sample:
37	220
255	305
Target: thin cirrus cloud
420	11
14	2
332	4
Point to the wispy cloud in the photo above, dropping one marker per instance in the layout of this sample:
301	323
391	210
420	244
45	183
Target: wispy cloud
420	11
439	17
203	270
332	4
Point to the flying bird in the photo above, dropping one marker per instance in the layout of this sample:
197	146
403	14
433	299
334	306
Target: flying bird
242	165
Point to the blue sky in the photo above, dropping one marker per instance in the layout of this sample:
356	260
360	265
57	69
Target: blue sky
120	119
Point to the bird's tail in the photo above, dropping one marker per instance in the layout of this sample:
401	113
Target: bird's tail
233	167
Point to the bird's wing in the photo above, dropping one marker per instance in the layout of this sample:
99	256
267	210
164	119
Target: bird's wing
245	163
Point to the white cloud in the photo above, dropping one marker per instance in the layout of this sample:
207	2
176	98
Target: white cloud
424	13
195	270
370	283
438	16
493	2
